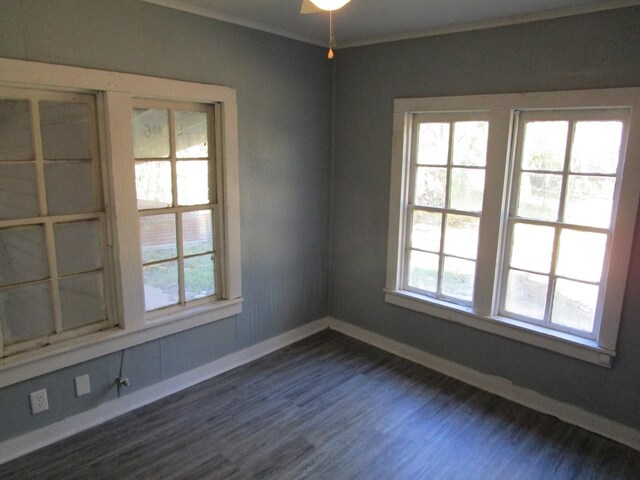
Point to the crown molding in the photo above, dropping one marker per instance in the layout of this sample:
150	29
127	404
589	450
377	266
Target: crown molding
430	32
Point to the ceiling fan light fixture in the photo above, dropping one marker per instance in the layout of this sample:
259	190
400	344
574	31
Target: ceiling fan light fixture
330	5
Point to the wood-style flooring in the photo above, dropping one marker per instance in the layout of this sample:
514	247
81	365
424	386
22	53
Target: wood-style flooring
330	407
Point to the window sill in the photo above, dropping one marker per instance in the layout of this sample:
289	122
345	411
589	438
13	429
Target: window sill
563	343
53	357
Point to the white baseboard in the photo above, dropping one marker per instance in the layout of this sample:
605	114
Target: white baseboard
499	386
29	442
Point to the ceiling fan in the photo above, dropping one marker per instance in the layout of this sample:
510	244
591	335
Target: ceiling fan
316	6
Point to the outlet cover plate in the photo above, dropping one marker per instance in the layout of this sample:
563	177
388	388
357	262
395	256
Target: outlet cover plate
83	385
39	401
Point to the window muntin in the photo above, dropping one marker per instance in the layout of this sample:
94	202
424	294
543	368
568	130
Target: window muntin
177	201
559	229
443	212
53	268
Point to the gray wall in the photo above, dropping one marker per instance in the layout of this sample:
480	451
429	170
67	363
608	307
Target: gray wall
284	103
590	51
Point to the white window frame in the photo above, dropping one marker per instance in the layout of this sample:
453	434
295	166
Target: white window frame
501	110
116	93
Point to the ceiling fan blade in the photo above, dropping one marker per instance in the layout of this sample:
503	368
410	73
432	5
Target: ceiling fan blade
308	7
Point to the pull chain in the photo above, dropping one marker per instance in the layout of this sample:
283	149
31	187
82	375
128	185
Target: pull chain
332	38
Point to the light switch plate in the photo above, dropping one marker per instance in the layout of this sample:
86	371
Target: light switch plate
83	386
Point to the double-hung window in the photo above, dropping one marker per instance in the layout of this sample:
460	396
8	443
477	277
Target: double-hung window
177	201
119	212
514	214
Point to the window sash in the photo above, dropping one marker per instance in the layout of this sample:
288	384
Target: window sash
178	210
34	97
512	218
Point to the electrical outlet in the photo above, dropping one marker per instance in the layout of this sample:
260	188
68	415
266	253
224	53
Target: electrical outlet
39	401
83	386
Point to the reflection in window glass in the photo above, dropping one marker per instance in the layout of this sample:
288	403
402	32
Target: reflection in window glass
18	191
32	301
192	135
153	184
65	131
150	133
23	257
193	182
15	130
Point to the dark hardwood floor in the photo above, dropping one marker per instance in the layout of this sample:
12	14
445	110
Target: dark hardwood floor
330	407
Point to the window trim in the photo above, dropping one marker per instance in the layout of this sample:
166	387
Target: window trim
115	95
501	109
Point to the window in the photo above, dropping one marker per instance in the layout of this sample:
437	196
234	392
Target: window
53	261
177	200
119	212
514	214
443	211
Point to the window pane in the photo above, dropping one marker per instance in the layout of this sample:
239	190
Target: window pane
461	236
574	304
532	247
581	255
82	300
197	232
545	144
150	133
78	246
26	302
193	182
191	135
158	237
199	277
153	184
433	148
65	131
160	285
457	278
431	186
470	143
69	187
423	271
596	147
526	294
467	188
426	230
15	130
539	196
18	191
23	257
589	200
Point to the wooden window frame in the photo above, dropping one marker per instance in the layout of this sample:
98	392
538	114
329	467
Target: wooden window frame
116	94
501	109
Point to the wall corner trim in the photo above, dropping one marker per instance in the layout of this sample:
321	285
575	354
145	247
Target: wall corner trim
36	439
498	386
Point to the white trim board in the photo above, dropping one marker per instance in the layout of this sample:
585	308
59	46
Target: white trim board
34	440
499	386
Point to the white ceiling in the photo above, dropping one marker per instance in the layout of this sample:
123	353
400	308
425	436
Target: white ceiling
362	22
